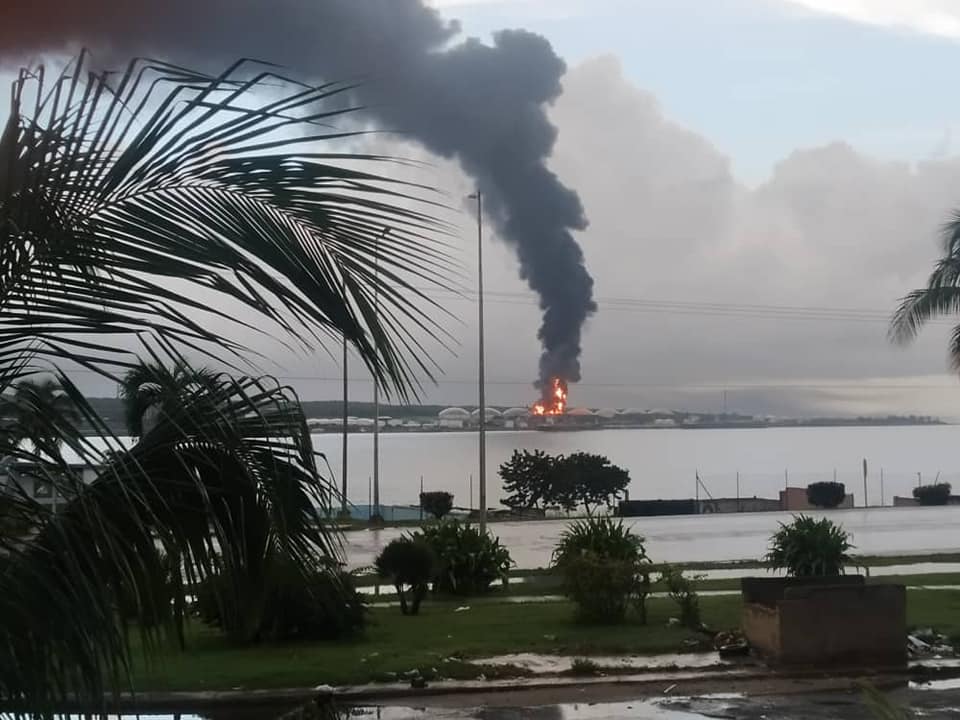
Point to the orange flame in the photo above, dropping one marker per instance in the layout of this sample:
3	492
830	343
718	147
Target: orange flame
556	402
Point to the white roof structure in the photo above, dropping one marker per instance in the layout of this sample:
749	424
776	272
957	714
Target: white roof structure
516	412
633	411
490	413
580	412
606	413
453	413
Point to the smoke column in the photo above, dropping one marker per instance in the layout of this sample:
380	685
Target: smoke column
480	104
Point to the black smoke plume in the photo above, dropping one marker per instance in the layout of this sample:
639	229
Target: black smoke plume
483	105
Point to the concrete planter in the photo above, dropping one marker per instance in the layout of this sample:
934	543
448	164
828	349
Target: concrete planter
823	621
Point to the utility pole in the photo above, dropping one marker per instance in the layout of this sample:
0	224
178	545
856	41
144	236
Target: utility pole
739	509
478	196
346	420
882	500
866	501
376	517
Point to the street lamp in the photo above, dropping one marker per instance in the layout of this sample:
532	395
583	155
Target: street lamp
375	516
481	384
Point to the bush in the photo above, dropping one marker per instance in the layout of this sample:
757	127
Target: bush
407	562
467	561
437	503
826	494
604	566
324	605
604	536
602	588
936	494
681	589
535	479
808	547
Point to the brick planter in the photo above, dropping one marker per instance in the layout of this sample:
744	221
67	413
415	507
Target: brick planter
825	621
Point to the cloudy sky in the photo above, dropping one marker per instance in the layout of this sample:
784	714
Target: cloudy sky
737	158
763	180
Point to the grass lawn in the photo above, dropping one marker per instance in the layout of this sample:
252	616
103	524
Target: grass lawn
395	644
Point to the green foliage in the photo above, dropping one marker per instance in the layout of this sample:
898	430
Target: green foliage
605	536
406	561
135	206
468	561
323	604
438	503
535	479
936	494
682	590
527	476
605	568
826	494
808	547
602	588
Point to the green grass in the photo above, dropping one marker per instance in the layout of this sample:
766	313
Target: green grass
447	640
394	643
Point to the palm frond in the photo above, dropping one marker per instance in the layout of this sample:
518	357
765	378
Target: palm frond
115	187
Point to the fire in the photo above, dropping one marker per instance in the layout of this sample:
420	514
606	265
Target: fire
554	401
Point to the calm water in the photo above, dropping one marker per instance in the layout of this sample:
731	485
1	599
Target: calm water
662	463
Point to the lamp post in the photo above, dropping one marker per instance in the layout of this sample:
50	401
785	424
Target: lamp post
480	366
344	512
375	517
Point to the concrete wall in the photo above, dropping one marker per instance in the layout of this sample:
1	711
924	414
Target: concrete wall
795	498
852	624
733	505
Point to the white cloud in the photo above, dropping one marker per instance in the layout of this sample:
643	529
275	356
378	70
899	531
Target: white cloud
934	17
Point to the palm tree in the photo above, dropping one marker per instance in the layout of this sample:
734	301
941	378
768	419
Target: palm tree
164	210
940	297
37	406
149	390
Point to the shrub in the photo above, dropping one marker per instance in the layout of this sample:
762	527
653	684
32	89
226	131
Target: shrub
604	536
405	561
936	494
584	666
467	560
437	503
604	566
826	494
601	587
682	591
324	605
808	547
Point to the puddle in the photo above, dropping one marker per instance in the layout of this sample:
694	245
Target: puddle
543	664
946	684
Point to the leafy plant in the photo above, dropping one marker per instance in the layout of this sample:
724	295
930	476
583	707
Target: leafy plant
156	211
826	494
682	590
468	561
438	503
808	547
935	494
601	588
605	567
323	604
605	536
405	561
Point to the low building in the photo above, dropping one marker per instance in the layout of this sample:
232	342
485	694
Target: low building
22	477
795	498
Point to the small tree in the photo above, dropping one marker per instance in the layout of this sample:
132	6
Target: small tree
589	480
936	494
406	561
438	503
808	548
528	477
826	494
682	590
